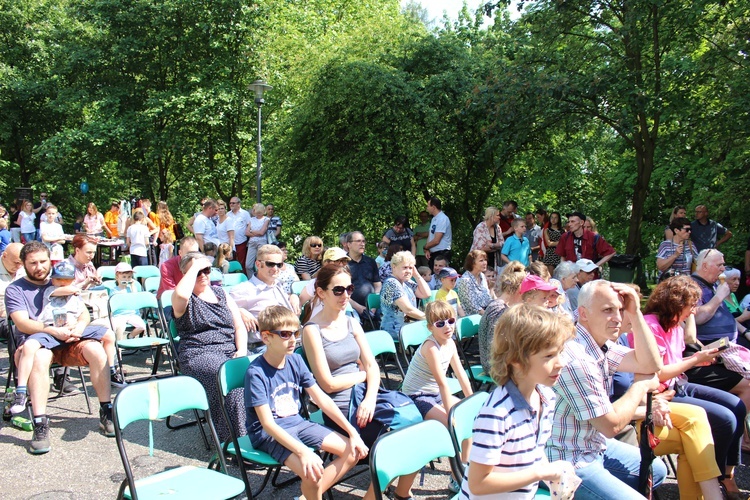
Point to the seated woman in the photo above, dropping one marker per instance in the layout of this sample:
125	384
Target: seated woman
287	275
340	357
741	315
670	306
676	255
385	271
398	297
471	287
211	332
309	263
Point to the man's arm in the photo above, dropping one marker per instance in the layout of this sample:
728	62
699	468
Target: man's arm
645	357
623	410
199	239
706	311
727	235
434	241
602	248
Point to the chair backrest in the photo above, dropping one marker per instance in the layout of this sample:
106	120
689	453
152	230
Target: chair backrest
106	272
130	301
298	286
373	301
145	271
157	399
233	279
380	342
413	334
235	267
152	284
468	326
231	374
462	415
111	286
166	298
407	450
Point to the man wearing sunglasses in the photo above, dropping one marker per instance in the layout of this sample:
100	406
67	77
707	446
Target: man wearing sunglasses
262	290
707	231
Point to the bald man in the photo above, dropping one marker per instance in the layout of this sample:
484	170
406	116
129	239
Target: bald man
10	263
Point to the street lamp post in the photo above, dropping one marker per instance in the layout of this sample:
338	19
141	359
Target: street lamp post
259	86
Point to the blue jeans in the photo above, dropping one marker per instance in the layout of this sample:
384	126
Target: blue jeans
726	414
616	474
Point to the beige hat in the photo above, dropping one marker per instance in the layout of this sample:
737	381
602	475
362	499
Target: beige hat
335	253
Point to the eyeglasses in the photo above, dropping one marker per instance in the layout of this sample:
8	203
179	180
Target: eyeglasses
270	264
316	245
284	334
338	291
205	271
359	241
233	203
688	229
442	322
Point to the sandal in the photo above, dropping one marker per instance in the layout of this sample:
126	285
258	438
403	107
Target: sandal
391	492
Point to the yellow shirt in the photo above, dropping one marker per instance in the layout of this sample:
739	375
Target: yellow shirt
110	219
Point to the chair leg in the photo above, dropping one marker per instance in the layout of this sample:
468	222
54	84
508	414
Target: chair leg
85	389
197	420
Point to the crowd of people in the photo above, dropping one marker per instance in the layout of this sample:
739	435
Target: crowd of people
572	356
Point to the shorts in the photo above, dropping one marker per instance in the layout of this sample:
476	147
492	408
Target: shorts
426	401
716	376
71	354
309	433
47	341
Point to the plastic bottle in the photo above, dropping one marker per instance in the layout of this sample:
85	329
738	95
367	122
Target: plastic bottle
22	423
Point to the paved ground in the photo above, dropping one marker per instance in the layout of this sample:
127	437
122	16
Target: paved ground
83	464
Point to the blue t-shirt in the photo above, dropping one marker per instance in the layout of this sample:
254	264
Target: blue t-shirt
279	388
4	239
517	249
721	324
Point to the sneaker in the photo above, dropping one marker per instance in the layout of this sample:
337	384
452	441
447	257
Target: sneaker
40	440
116	380
105	421
19	403
453	486
60	380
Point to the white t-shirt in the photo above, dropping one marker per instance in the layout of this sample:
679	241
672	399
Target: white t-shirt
241	220
203	226
138	234
223	228
27	222
441	224
51	230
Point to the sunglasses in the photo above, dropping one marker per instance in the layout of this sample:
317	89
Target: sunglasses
284	334
338	291
442	322
687	228
274	264
205	271
316	245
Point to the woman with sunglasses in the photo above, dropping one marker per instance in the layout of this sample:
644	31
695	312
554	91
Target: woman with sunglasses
211	332
399	294
676	255
340	357
310	262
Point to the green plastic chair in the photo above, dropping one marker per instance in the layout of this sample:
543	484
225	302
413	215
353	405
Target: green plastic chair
151	284
156	400
231	376
233	279
381	343
466	329
407	450
235	267
298	286
106	272
373	301
143	272
140	301
411	337
461	426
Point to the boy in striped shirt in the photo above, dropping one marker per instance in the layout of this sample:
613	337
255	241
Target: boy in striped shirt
507	457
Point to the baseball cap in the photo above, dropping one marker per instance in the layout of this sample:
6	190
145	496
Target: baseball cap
534	282
447	272
334	254
63	270
123	267
586	265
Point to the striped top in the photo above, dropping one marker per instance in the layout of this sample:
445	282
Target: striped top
419	379
510	435
583	394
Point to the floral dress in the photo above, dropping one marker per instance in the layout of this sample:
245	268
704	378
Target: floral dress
393	318
550	257
473	295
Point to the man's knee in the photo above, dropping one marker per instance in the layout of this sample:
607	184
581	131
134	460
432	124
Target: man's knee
42	360
93	353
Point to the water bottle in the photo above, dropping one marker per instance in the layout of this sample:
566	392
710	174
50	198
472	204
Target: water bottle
22	423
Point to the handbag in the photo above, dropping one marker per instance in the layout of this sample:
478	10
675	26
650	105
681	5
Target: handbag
393	409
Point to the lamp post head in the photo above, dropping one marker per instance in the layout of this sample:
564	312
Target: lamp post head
259	87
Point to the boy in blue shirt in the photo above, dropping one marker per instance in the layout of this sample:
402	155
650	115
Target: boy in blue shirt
507	458
517	246
273	385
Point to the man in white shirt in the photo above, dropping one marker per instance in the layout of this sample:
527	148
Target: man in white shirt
52	233
440	235
241	218
203	227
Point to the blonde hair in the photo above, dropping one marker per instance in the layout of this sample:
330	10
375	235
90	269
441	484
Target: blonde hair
509	282
259	208
522	331
401	258
438	310
266	250
306	247
275	317
490	213
538	268
222	254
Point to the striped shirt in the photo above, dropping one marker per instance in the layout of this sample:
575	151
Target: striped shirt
419	378
583	394
510	435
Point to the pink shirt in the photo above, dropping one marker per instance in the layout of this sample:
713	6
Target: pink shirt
671	343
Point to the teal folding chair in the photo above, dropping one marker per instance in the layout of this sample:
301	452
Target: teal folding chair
411	337
233	279
146	303
461	426
151	284
231	376
235	267
373	301
156	400
298	286
143	272
466	329
405	451
106	272
381	344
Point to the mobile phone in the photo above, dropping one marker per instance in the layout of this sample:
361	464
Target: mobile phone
721	344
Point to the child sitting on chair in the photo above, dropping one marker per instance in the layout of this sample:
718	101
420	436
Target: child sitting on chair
121	320
273	385
516	420
425	381
64	310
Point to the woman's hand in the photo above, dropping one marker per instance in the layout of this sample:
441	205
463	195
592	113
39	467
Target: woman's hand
359	450
660	411
365	412
705	358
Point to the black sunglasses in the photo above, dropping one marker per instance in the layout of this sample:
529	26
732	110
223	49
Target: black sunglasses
338	291
284	334
442	322
316	245
274	264
687	228
205	271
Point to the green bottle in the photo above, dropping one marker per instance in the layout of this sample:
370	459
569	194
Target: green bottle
22	423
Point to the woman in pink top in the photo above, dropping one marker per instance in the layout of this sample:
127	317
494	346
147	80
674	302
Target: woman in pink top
670	313
93	222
